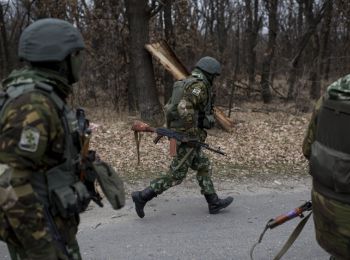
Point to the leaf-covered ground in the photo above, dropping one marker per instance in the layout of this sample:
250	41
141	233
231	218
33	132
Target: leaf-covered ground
266	141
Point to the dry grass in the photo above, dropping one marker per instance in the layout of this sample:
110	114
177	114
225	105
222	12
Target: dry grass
266	141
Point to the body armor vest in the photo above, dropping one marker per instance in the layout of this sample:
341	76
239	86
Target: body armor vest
173	120
330	153
59	187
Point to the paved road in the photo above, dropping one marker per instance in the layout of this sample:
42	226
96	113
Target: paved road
179	227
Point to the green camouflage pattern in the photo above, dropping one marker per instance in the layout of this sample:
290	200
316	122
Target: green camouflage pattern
23	226
340	89
177	172
310	135
332	225
195	99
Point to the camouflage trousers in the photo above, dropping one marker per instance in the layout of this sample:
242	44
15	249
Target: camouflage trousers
24	229
186	158
332	225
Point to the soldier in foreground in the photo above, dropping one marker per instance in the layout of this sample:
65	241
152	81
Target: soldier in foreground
327	147
189	111
42	188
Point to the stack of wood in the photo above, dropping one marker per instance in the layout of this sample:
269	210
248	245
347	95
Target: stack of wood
165	55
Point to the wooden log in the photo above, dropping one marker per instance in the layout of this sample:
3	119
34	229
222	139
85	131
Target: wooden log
165	55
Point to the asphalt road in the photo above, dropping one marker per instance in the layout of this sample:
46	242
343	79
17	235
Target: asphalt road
178	226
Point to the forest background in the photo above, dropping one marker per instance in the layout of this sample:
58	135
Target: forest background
278	57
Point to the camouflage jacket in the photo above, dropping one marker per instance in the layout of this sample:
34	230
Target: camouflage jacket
194	101
32	136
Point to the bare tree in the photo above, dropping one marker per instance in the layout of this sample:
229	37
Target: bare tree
143	83
4	49
312	27
271	6
170	38
254	22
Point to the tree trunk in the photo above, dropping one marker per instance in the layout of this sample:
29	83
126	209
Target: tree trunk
141	66
324	53
250	45
269	53
314	78
4	50
253	26
237	65
170	38
301	46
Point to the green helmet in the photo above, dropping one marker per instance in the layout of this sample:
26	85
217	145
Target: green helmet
209	65
49	40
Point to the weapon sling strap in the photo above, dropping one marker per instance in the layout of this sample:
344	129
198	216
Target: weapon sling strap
296	232
138	136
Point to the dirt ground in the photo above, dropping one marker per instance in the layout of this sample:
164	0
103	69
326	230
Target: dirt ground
264	146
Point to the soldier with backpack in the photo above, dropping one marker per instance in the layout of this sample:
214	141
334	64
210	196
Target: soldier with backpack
189	111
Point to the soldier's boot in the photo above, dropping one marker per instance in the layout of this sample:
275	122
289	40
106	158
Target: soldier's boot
215	204
140	199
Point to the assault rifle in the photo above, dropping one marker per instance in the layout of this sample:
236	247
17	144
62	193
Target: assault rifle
87	176
139	126
275	222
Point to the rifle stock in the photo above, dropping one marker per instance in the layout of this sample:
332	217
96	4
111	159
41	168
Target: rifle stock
297	212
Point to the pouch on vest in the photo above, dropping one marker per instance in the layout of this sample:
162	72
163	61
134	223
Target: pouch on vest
208	121
170	108
111	184
71	200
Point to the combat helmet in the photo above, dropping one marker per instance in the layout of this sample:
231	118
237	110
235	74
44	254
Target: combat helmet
49	40
209	65
53	44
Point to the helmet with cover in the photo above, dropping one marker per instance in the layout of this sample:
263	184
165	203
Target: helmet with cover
53	43
209	65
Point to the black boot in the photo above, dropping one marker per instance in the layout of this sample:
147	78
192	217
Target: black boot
215	204
140	198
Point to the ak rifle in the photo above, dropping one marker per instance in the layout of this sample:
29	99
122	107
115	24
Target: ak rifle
139	126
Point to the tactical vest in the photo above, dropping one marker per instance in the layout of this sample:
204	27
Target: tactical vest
330	153
58	188
173	120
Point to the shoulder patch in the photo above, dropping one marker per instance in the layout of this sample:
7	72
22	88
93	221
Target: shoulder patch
196	91
29	139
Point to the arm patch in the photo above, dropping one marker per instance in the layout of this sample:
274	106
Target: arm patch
196	91
29	139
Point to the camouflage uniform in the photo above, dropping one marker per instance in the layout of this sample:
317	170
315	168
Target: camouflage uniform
189	111
195	98
330	193
32	141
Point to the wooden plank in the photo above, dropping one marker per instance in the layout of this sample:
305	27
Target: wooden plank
168	59
165	55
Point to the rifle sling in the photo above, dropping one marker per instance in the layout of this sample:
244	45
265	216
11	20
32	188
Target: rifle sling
296	232
183	160
138	141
